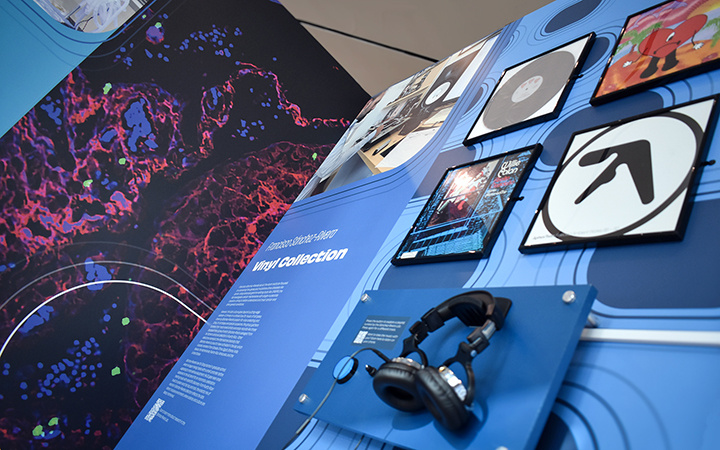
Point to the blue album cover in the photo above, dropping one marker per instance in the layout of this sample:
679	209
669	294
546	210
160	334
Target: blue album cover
462	217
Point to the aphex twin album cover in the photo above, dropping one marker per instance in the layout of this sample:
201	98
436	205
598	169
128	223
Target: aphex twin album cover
625	182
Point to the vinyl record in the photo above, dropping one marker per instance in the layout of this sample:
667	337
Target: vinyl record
529	90
437	93
447	78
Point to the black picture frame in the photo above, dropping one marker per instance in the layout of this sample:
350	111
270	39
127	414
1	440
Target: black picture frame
604	190
662	48
467	209
531	92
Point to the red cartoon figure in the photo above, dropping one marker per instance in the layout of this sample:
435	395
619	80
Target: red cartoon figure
664	43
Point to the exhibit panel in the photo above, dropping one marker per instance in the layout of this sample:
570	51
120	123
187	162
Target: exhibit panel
655	304
134	194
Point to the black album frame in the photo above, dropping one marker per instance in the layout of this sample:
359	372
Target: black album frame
464	215
530	92
604	191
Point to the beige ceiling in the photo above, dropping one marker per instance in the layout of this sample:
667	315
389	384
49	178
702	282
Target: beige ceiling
358	33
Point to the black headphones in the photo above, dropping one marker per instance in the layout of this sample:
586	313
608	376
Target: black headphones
410	386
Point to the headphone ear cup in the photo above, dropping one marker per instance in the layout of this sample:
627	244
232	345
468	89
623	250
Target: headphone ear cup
440	398
394	383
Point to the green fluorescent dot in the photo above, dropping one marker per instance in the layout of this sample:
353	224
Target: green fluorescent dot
158	25
122	161
314	156
38	430
107	88
54	421
115	371
125	321
87	183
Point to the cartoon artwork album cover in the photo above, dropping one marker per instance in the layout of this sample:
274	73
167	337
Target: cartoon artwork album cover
661	44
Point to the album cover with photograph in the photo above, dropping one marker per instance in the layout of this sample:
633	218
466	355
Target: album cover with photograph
626	182
400	121
466	211
531	92
666	42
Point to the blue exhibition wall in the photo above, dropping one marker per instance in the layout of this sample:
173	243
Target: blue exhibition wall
643	377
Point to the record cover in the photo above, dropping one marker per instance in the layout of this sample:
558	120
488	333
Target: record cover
625	182
466	211
661	44
531	92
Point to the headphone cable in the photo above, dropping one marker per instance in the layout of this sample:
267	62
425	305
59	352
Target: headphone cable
332	386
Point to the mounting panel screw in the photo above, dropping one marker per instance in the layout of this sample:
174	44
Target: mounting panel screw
303	398
568	297
364	298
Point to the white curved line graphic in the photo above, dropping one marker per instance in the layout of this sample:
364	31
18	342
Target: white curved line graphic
92	283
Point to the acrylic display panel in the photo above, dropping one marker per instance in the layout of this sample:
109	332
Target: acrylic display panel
530	92
666	42
467	210
524	364
624	182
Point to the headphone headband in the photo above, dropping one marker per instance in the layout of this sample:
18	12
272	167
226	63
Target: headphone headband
474	309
